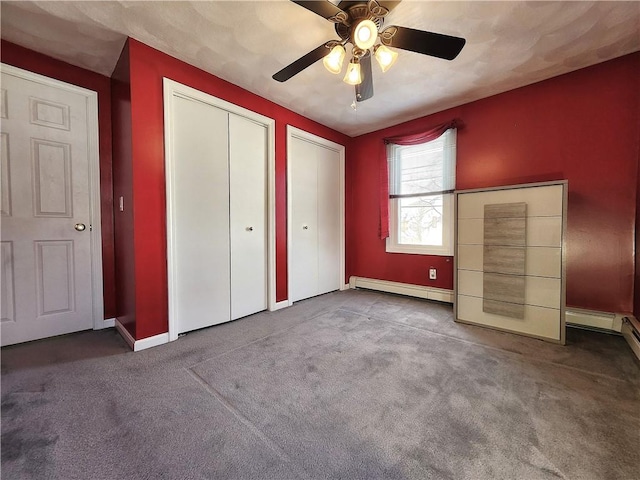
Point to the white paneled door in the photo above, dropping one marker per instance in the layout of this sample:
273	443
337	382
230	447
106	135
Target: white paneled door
316	216
46	279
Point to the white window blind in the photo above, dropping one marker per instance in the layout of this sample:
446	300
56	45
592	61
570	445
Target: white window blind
427	168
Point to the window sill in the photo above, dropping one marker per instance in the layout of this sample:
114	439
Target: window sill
419	250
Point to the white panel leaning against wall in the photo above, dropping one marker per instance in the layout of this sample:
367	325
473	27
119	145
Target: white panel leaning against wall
510	259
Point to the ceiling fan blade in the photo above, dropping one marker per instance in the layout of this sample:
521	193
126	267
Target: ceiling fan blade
388	4
427	43
364	91
324	8
303	62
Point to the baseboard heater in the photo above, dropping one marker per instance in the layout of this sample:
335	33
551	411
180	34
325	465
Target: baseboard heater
420	291
631	332
592	320
607	322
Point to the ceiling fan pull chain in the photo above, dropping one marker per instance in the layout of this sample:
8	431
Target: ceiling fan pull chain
377	10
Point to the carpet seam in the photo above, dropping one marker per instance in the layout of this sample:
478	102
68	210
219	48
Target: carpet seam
517	356
277	332
245	421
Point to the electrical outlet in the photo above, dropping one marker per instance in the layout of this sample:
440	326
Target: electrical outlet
432	273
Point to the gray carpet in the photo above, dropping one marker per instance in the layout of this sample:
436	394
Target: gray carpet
350	385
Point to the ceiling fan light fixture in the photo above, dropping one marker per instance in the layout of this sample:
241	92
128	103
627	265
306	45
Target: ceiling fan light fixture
354	74
385	57
334	59
365	34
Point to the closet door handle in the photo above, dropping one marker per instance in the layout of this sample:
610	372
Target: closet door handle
305	227
249	229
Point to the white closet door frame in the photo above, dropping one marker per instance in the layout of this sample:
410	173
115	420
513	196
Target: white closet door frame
93	154
293	132
173	89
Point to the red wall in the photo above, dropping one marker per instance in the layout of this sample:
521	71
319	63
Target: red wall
147	68
123	187
582	126
35	62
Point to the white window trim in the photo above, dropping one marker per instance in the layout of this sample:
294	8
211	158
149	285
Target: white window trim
447	247
392	245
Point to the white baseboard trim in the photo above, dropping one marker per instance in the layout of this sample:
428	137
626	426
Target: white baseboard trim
420	291
592	319
125	334
137	345
280	305
149	342
107	323
631	333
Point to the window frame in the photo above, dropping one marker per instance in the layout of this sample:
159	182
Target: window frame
393	245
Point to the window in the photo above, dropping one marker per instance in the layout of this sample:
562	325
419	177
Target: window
421	183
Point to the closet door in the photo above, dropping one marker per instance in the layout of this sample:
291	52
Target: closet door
248	216
200	193
315	219
328	200
303	265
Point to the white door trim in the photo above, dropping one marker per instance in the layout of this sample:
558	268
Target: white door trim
174	89
93	154
293	132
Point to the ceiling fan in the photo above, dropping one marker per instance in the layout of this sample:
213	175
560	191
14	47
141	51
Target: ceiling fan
359	23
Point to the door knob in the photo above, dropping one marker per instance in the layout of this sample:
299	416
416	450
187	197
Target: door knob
249	229
305	227
80	227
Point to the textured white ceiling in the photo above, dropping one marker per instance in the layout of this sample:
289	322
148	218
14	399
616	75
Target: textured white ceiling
509	44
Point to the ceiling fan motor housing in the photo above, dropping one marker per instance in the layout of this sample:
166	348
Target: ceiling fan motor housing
356	13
